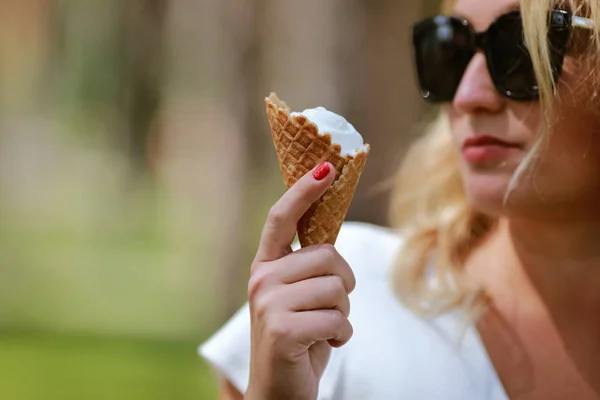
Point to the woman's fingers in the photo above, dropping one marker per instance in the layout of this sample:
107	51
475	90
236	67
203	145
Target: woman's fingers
310	262
308	327
321	293
318	260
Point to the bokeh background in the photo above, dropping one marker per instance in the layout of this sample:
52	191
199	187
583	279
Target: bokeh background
136	169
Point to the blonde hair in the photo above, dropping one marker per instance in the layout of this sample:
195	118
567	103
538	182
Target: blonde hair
428	203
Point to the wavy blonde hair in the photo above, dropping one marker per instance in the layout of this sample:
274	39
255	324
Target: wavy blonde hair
429	205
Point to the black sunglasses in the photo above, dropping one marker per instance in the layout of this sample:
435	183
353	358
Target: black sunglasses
444	46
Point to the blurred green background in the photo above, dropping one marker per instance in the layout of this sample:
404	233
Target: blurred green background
136	169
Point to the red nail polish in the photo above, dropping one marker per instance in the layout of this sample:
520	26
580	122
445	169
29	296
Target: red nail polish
322	171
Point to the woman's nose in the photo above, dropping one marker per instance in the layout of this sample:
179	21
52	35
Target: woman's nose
476	92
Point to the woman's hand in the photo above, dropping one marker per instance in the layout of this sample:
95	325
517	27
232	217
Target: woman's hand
298	300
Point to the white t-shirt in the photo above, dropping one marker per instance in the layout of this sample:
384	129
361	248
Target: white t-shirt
393	354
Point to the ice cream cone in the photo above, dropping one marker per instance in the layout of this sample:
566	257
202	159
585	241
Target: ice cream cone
300	147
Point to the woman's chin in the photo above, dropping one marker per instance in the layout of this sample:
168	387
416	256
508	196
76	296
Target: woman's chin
486	192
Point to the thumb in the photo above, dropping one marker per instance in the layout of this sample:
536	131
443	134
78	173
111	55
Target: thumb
280	228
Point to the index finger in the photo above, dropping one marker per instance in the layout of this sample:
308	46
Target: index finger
280	228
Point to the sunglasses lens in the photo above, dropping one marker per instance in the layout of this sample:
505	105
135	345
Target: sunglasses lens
509	61
443	49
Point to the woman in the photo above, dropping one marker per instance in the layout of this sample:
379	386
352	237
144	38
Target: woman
496	261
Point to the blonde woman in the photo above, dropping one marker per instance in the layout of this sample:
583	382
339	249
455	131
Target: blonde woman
490	286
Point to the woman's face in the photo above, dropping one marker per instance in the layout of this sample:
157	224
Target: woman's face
567	176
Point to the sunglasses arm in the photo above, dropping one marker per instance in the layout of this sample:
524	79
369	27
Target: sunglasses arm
582	22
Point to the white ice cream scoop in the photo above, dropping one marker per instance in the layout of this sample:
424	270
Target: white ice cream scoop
342	132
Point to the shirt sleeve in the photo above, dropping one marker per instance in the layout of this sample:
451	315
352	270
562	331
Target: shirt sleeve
228	350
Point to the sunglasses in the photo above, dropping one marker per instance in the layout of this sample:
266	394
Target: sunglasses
444	47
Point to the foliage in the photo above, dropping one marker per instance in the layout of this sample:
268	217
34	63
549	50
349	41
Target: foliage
53	366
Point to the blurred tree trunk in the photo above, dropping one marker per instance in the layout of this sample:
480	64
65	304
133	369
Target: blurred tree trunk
251	71
203	140
24	49
143	35
245	95
382	97
243	46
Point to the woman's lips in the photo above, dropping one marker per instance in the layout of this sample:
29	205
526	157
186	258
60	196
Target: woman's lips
479	149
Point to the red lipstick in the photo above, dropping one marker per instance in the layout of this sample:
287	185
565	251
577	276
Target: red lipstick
478	149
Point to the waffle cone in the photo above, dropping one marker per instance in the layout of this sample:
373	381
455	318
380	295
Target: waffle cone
300	148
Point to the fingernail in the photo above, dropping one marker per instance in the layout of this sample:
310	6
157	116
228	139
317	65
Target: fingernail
322	171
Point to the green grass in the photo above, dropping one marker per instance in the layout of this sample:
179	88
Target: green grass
36	366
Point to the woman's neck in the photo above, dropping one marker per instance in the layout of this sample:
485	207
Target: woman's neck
559	264
560	261
543	281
